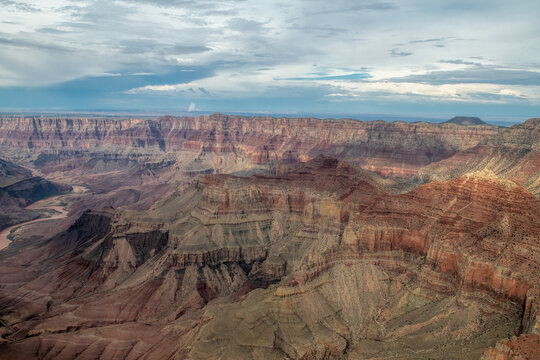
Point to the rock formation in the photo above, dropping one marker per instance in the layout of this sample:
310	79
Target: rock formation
11	173
513	153
322	259
397	149
465	120
524	347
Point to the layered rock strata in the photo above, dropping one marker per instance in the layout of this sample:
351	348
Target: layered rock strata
390	149
513	153
317	261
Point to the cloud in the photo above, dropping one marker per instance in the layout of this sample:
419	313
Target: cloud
312	51
244	25
352	76
322	8
200	4
411	91
191	107
192	88
107	75
22	43
319	31
344	87
510	92
460	62
49	30
487	75
21	6
398	53
427	40
188	49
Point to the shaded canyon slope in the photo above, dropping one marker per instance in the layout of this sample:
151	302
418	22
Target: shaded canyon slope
18	195
11	173
265	238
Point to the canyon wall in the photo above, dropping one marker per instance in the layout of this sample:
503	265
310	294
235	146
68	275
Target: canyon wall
390	149
257	237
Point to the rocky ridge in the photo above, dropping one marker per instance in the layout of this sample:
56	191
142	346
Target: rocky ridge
11	173
465	120
513	153
16	196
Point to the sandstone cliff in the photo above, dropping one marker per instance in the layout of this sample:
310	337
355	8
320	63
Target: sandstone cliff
513	153
409	153
389	149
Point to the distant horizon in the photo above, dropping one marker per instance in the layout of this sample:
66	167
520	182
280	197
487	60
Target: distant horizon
435	119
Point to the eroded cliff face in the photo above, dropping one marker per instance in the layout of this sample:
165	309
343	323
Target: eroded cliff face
390	149
316	261
138	152
513	153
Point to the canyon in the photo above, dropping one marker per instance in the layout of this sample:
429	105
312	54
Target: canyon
241	237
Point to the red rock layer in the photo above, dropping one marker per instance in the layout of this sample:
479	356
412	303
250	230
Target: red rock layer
524	347
390	149
476	236
513	153
476	233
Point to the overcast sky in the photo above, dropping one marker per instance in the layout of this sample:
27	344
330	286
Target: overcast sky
412	57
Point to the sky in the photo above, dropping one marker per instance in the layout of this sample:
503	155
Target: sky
420	58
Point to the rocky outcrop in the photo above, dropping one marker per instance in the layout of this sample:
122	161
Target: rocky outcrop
466	237
28	191
77	133
465	120
526	347
513	153
11	173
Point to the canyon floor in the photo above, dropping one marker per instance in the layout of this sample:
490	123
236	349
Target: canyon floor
230	237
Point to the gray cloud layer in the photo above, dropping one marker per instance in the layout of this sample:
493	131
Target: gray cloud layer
488	76
255	47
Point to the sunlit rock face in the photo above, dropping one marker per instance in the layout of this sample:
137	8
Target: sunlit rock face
513	153
214	241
